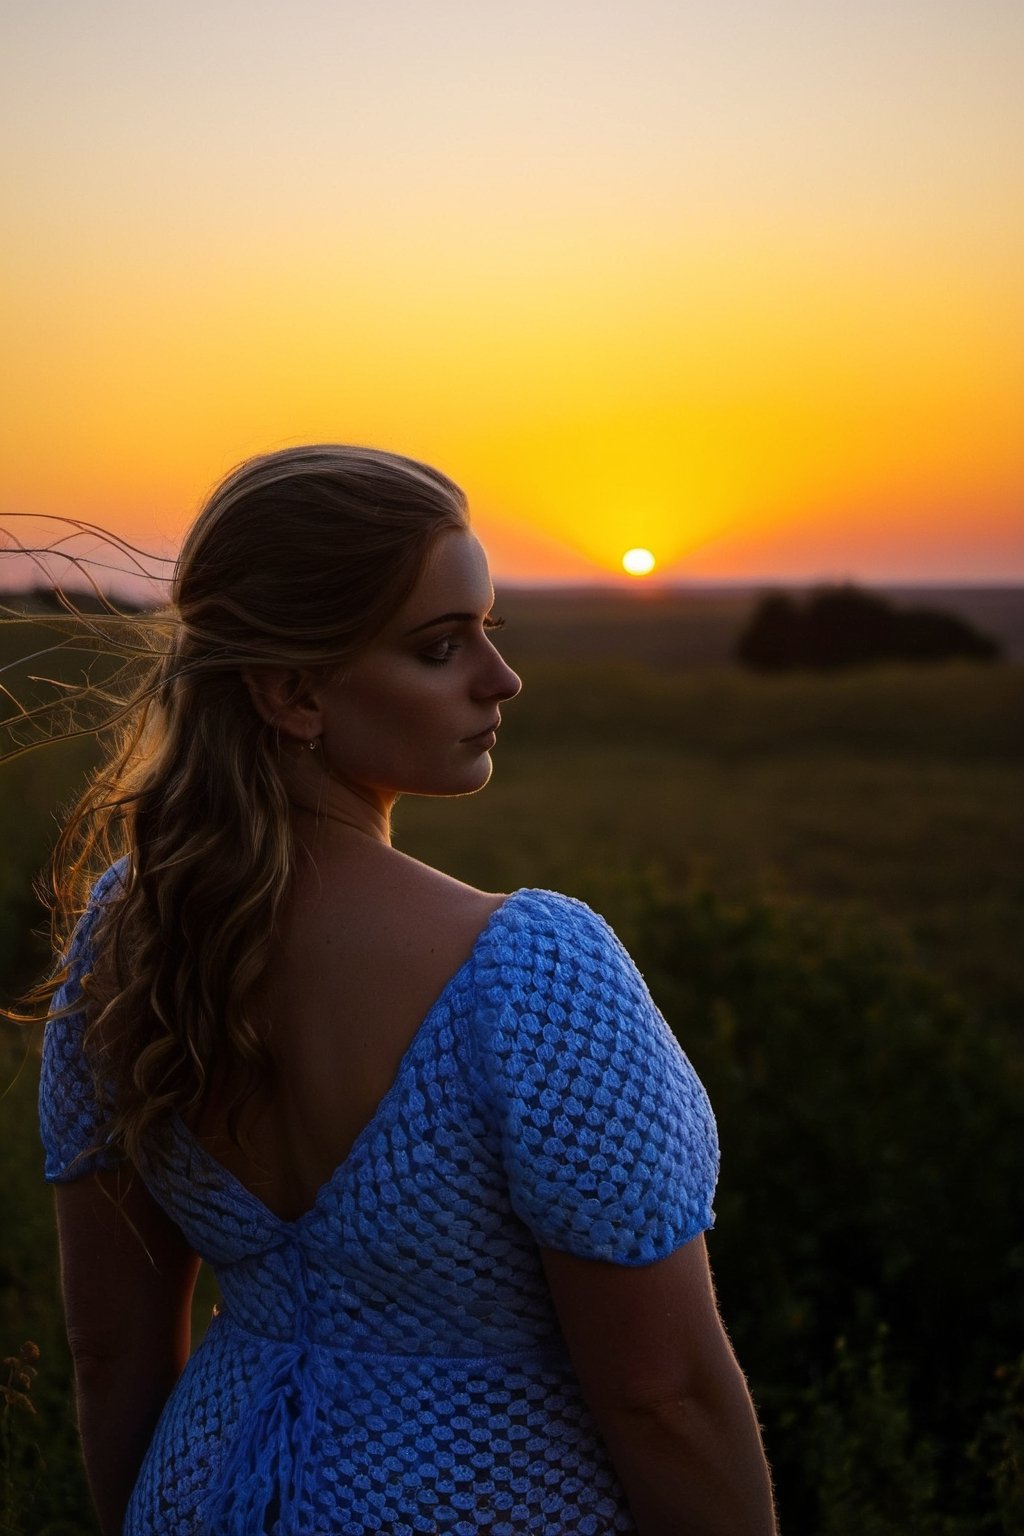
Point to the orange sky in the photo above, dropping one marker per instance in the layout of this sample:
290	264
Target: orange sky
738	283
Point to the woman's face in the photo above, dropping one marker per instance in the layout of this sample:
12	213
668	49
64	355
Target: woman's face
416	712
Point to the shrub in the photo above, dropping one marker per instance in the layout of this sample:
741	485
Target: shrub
846	627
867	1247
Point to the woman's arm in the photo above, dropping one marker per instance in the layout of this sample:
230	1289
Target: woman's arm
127	1275
663	1384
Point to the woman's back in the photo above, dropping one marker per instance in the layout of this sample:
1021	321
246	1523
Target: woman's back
367	941
391	1359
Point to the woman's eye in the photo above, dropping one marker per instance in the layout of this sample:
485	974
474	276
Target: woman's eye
441	651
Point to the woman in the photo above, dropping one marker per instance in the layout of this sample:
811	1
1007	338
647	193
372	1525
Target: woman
447	1161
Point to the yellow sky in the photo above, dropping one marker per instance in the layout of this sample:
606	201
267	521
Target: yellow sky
737	282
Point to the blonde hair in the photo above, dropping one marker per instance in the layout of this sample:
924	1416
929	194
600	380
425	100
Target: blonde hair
297	560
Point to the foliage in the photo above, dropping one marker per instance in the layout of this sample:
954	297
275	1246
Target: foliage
847	627
875	1476
19	1453
46	1477
998	1447
869	1217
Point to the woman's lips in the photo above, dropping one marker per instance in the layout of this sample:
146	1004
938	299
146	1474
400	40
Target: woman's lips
489	732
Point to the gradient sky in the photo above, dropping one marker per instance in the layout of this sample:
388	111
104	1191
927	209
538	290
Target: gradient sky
739	281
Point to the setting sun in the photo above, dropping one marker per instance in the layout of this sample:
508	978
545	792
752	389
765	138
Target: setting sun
638	562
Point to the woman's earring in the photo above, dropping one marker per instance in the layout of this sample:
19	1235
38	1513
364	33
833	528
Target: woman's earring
312	745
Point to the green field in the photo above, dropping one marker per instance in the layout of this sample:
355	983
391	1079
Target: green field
823	880
895	789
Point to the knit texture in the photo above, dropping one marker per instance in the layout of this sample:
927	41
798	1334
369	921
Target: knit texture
391	1361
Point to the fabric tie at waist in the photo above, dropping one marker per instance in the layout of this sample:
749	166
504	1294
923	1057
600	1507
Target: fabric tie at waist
263	1473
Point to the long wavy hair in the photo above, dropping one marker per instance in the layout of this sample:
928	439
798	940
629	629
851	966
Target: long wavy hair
297	560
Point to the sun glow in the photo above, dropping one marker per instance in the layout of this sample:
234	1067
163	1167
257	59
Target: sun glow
638	562
576	348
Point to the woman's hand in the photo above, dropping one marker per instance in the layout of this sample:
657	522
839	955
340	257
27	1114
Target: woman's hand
669	1398
127	1275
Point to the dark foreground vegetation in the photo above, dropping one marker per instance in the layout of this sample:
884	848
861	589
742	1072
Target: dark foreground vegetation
821	879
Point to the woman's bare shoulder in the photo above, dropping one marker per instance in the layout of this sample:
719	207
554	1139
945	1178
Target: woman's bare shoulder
382	900
421	882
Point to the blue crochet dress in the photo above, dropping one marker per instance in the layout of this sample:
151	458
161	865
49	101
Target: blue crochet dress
391	1361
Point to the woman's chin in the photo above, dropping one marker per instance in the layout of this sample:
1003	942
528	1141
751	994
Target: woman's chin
472	778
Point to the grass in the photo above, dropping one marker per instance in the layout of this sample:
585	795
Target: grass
898	791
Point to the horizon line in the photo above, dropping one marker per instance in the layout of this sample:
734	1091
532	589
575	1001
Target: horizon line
644	587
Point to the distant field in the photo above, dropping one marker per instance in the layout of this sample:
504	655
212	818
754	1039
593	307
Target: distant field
699	626
898	790
693	626
634	744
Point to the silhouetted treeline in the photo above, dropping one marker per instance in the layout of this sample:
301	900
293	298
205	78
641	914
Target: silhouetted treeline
847	627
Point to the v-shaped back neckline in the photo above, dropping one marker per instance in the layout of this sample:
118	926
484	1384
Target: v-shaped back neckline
249	1197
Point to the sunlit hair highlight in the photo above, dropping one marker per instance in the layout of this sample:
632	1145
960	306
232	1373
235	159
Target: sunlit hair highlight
297	560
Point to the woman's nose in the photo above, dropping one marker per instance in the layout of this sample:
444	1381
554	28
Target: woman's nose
500	682
512	682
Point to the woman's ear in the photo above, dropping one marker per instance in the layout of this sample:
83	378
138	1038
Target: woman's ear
286	699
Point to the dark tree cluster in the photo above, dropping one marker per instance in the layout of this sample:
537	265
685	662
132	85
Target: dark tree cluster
846	627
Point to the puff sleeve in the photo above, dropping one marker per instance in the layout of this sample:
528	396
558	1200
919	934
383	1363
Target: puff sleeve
68	1113
608	1137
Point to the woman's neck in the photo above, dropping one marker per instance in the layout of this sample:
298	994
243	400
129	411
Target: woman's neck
318	798
373	825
